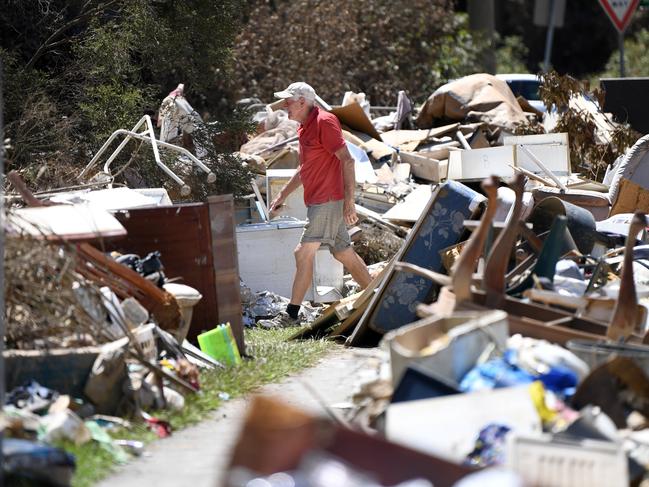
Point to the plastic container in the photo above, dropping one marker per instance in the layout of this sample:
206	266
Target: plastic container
145	338
543	462
596	352
219	344
449	347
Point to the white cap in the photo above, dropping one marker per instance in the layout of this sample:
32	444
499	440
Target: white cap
296	90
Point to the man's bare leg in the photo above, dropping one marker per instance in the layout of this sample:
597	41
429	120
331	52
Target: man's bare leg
355	265
304	255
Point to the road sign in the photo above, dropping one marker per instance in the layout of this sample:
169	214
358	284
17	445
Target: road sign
619	11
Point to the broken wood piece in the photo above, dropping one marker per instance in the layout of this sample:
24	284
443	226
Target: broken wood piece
127	283
471	252
533	239
592	308
460	293
624	323
536	177
496	264
345	306
122	280
360	304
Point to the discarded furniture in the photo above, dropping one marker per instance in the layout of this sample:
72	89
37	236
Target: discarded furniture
528	319
266	261
441	225
146	135
198	244
580	222
551	149
628	182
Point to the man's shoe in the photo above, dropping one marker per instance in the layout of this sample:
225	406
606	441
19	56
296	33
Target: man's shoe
282	320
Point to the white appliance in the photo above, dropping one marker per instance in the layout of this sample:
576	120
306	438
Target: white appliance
266	262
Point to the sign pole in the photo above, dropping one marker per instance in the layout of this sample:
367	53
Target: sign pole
549	37
620	13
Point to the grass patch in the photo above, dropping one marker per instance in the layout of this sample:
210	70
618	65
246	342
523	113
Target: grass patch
274	358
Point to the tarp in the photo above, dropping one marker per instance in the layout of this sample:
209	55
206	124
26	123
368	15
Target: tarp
475	98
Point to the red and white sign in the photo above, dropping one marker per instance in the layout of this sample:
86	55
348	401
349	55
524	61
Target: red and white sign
620	11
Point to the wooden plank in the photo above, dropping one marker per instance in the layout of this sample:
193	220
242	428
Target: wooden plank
225	264
425	167
342	329
360	304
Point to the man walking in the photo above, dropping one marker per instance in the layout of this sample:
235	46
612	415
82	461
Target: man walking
326	171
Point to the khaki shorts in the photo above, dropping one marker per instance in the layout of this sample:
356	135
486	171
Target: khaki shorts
325	224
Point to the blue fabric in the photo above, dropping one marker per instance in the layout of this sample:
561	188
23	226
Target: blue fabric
503	372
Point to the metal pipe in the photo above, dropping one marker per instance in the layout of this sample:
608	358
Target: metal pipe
463	140
148	135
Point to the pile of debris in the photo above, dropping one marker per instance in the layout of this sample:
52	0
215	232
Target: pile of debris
512	319
91	338
508	298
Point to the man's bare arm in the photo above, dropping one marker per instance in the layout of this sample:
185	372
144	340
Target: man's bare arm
349	181
293	183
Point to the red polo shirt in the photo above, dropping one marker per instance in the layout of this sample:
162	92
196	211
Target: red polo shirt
320	170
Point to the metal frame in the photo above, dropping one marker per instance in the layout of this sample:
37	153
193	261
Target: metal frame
147	135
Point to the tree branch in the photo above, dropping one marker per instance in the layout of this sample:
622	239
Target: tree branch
50	41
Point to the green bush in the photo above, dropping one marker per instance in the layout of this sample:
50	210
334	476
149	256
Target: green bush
636	61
